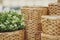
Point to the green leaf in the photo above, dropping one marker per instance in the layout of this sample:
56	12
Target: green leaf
11	21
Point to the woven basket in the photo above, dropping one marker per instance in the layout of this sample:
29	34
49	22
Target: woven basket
33	13
49	37
32	17
16	35
54	9
51	25
29	11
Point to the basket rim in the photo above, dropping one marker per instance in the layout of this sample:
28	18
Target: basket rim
49	36
51	17
12	31
27	7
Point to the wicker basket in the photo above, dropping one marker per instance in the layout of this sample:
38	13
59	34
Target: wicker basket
29	11
16	35
34	13
51	25
54	9
32	17
49	37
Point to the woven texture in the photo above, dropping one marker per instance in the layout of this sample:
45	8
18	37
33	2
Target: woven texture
28	11
49	37
54	9
51	25
32	20
17	35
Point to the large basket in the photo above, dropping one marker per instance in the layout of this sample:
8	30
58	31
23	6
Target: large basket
49	37
16	35
54	9
33	13
51	25
32	19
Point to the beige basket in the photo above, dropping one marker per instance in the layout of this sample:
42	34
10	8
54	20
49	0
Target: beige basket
32	19
16	35
34	13
51	25
29	11
54	9
49	37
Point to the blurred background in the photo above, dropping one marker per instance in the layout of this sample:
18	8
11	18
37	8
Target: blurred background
17	4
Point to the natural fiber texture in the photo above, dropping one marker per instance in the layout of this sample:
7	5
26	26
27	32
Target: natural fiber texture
51	25
49	37
32	31
32	20
16	35
54	9
28	11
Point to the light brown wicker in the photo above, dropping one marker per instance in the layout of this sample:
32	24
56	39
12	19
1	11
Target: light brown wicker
32	20
30	10
49	37
32	31
54	9
51	25
16	35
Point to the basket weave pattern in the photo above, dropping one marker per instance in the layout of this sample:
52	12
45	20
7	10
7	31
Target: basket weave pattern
32	17
49	37
17	35
28	11
50	26
54	9
32	26
32	31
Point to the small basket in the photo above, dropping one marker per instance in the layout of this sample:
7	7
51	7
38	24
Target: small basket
49	37
16	35
54	9
51	25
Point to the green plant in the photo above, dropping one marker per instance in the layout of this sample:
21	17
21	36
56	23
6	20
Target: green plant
11	21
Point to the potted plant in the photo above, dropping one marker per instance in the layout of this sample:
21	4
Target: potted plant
11	26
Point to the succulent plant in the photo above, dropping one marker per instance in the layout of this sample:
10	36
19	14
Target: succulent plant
11	21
